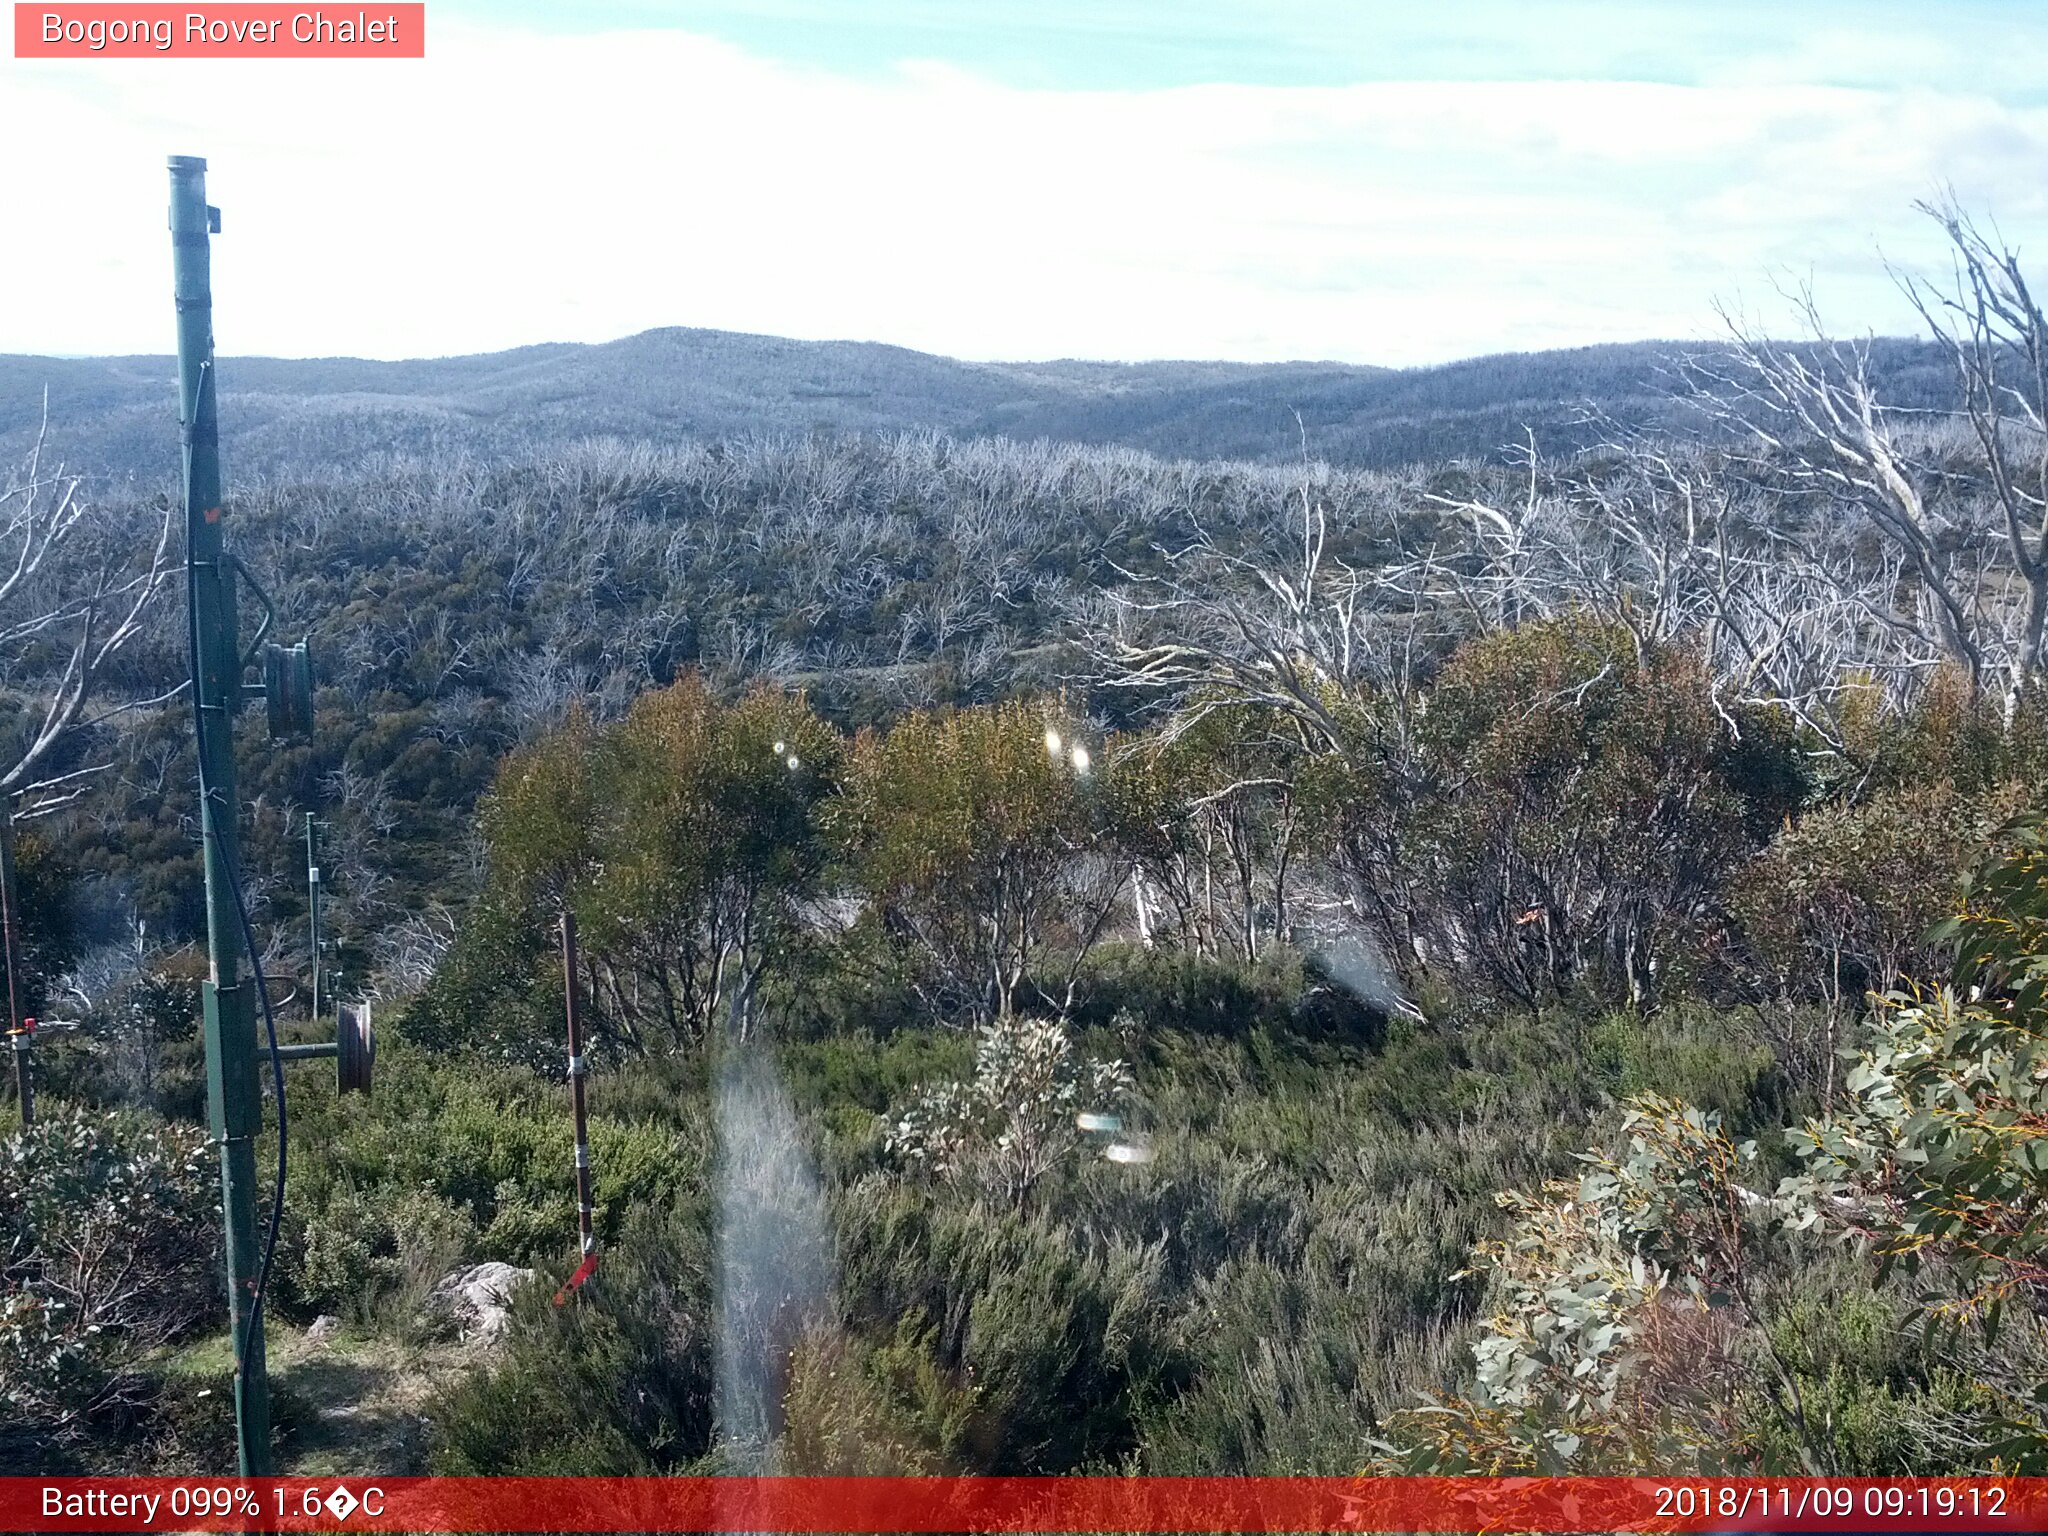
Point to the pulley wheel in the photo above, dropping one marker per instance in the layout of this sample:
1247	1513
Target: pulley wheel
355	1048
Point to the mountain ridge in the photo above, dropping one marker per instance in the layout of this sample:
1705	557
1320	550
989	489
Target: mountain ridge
290	416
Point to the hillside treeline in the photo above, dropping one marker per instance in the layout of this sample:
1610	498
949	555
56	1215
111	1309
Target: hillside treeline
320	417
456	609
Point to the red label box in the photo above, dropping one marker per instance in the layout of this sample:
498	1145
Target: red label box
232	31
1052	1506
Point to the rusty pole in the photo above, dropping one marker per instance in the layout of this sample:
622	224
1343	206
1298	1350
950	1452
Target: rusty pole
577	1072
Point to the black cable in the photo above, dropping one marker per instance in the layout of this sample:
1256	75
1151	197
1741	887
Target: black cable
277	1079
234	880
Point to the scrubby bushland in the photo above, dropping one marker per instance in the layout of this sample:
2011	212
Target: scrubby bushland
1280	1274
1020	1115
1579	804
111	1250
1274	1281
456	1161
619	1384
1666	1307
976	843
684	838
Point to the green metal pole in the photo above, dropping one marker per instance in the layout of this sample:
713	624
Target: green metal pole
234	1095
313	909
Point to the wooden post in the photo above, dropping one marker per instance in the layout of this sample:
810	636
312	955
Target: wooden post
10	947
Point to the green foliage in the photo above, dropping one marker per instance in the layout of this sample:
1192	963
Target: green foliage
1716	1059
852	1412
1949	734
684	837
1051	1345
46	927
1579	816
1172	987
452	1161
708	837
1020	1114
498	993
1938	1156
1557	810
540	818
1620	1302
1932	1161
1942	1145
1255	1298
1895	1403
110	1223
1846	901
1657	1313
617	1383
971	834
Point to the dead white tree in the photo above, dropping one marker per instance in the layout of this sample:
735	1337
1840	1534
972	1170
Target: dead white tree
74	589
1217	628
1957	496
1823	436
1678	545
1991	327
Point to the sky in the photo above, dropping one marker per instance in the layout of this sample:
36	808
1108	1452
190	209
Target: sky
1374	181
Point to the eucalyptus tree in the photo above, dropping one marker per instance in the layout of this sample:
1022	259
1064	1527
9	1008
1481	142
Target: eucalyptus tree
710	851
981	843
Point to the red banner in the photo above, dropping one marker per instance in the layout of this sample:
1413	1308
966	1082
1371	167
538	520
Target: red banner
1039	1504
232	31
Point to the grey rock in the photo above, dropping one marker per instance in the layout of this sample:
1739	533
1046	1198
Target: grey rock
479	1298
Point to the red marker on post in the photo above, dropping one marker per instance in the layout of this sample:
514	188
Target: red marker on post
583	1272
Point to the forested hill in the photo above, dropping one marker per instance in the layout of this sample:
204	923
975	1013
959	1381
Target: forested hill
111	415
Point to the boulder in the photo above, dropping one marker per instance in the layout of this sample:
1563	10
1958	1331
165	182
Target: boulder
479	1298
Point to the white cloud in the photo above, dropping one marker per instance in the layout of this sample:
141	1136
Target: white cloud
515	188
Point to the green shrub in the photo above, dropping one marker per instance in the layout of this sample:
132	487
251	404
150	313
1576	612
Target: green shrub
455	1158
1059	1342
1168	988
1714	1058
1894	1402
618	1382
111	1222
1843	902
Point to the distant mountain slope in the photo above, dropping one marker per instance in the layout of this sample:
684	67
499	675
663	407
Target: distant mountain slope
115	415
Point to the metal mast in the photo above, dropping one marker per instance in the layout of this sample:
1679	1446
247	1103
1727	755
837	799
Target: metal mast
233	1093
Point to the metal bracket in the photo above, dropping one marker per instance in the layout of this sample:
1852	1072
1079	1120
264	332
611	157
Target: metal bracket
202	398
269	610
353	1050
